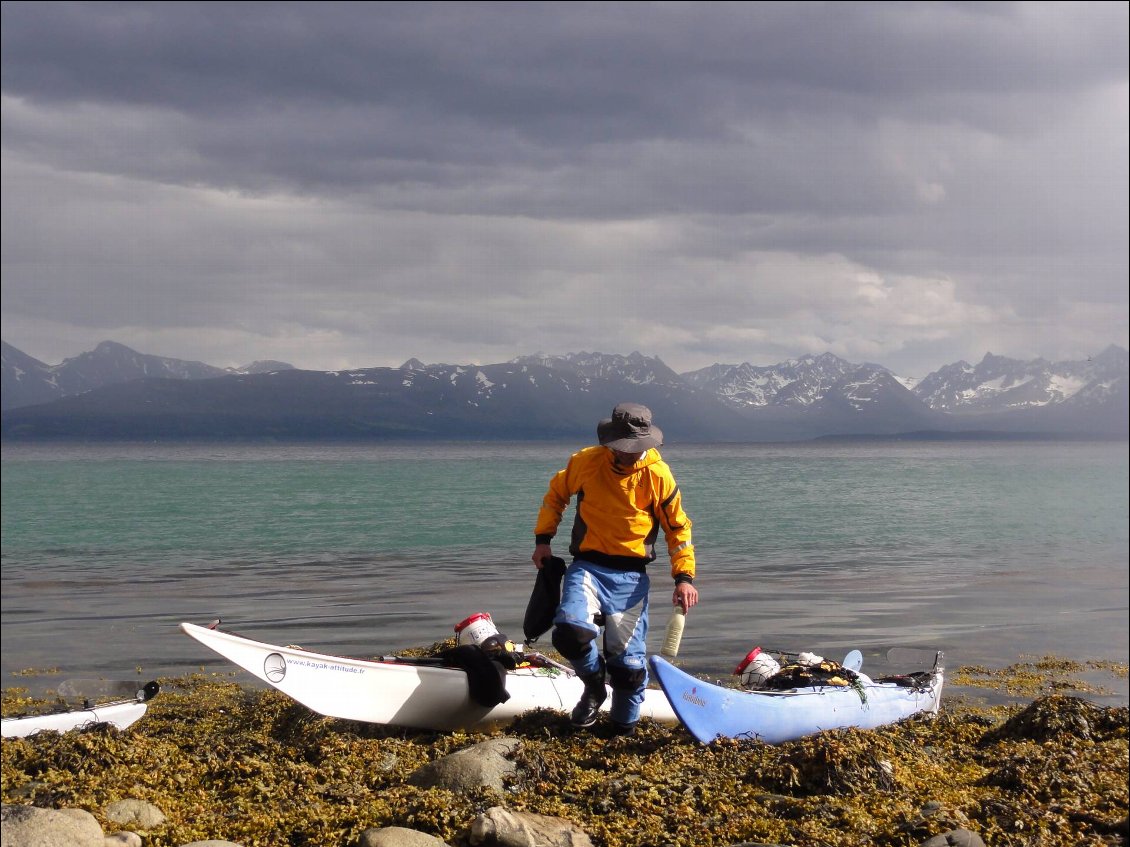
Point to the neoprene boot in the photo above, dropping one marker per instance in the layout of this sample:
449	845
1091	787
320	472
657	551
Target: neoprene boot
588	707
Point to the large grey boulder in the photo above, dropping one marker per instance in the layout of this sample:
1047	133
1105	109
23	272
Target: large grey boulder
500	827
29	826
136	813
398	836
955	838
483	765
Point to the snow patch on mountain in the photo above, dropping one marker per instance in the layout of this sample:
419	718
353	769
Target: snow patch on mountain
795	383
998	383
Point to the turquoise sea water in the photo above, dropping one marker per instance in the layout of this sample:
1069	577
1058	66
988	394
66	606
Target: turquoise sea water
992	552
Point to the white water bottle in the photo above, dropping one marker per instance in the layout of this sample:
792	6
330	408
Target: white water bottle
674	634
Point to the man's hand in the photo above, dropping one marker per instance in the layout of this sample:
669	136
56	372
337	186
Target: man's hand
686	595
541	553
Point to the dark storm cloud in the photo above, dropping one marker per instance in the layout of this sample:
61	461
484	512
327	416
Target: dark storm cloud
463	181
355	96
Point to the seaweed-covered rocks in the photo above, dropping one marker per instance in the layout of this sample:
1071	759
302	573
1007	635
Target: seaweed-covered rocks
219	761
1057	717
844	762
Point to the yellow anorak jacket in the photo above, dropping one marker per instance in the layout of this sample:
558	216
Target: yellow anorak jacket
620	511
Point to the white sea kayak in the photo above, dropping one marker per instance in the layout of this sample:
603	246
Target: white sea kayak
120	713
401	692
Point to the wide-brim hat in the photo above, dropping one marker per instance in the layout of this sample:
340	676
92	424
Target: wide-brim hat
629	430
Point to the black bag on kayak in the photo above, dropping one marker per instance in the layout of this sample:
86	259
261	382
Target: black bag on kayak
544	600
486	678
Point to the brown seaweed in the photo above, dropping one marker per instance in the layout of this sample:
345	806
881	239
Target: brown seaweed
254	767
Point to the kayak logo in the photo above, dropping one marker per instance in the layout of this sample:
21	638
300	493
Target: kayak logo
274	667
691	697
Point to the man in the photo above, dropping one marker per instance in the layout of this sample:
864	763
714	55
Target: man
625	495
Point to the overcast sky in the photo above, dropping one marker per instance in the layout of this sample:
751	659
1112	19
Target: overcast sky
353	185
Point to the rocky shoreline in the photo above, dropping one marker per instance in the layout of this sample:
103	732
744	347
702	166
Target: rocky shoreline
214	763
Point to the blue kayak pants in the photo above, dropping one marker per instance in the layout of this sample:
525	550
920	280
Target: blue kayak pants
621	596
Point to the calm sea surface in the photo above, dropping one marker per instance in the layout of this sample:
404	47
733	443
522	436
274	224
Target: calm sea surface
992	552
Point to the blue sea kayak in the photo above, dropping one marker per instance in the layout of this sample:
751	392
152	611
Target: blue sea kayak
711	711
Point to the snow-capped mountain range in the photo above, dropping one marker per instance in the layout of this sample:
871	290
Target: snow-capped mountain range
995	384
999	383
795	383
114	389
